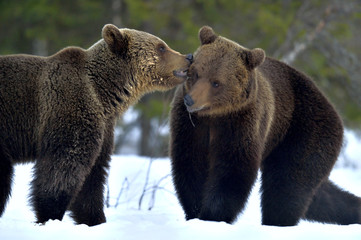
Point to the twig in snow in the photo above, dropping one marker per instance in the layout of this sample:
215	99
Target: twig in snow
145	184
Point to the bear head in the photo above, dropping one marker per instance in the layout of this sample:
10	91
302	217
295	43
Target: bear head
157	66
222	77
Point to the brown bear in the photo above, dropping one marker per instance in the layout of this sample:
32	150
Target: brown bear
61	111
239	112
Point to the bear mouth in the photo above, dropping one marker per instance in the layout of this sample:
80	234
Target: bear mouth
198	109
180	73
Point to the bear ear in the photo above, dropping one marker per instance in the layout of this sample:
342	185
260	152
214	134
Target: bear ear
255	57
117	41
206	35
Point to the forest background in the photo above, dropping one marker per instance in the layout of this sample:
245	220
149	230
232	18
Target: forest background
319	37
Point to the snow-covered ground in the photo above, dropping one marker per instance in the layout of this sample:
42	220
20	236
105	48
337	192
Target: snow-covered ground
126	220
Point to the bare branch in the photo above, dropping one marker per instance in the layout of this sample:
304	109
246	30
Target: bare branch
145	184
299	47
125	185
155	188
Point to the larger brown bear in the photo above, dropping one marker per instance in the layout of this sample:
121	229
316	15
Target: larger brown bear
61	111
239	112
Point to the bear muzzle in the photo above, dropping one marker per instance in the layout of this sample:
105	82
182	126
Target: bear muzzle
188	101
180	73
189	57
183	73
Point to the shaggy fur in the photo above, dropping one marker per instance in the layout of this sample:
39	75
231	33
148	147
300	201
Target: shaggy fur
239	112
61	111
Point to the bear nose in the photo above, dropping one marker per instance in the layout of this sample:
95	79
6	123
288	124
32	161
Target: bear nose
188	101
189	57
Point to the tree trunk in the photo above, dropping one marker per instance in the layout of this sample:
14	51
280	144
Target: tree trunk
40	47
116	12
145	129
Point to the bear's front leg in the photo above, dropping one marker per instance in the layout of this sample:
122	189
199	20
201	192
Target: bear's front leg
188	151
60	171
88	207
234	163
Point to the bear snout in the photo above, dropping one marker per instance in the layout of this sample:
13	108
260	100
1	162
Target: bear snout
189	57
188	101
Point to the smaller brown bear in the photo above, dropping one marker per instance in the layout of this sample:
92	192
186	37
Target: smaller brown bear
61	111
239	112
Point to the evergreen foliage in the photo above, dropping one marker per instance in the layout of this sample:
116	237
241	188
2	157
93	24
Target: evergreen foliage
320	38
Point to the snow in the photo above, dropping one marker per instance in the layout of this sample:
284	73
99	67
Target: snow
165	220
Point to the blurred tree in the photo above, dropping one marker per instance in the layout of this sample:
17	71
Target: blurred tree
53	23
318	37
324	52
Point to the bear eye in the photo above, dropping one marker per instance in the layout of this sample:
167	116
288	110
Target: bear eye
161	48
215	84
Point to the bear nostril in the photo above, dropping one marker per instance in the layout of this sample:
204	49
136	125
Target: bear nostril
189	57
188	101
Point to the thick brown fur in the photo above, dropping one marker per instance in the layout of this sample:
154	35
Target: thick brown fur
239	112
61	111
